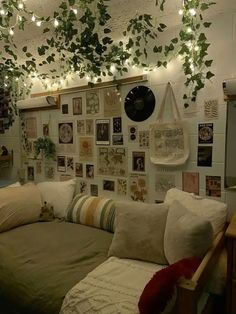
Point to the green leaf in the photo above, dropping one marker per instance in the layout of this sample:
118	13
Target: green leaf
25	48
208	63
209	75
107	31
207	24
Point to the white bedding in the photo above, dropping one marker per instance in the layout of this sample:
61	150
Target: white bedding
114	287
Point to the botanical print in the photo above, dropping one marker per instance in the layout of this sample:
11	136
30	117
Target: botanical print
103	132
121	186
138	161
211	109
213	186
86	148
94	189
77	105
31	127
112	161
164	182
80	126
79	169
205	133
92	102
89	127
117	125
138	187
65	133
61	163
190	182
112	103
204	157
82	187
70	164
132	133
143	139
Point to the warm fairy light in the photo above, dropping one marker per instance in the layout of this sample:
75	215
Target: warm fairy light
2	12
56	23
181	12
192	11
113	68
189	29
33	18
75	11
39	23
11	32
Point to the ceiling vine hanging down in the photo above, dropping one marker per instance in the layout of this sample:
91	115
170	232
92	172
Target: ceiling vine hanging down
79	41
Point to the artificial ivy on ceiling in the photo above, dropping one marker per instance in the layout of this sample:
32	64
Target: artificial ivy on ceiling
80	41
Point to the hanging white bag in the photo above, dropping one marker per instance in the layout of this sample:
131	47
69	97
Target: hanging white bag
169	141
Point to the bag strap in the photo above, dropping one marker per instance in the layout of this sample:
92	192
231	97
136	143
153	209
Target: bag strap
175	110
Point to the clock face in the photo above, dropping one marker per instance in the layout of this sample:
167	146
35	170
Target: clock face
66	133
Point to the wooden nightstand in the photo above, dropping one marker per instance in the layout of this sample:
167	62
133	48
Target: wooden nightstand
231	266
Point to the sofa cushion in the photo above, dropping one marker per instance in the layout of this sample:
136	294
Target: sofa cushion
186	234
139	231
210	209
19	206
92	211
58	194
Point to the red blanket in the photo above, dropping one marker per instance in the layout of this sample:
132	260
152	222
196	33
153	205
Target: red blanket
160	288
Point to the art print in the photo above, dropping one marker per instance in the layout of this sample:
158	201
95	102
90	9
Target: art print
117	139
112	102
143	139
89	171
80	126
211	109
112	161
109	185
103	132
65	132
117	125
61	163
164	182
70	164
204	157
82	187
138	188
86	148
138	161
205	133
121	186
49	171
89	126
190	182
64	109
31	127
46	129
30	173
213	186
92	102
77	105
79	169
94	189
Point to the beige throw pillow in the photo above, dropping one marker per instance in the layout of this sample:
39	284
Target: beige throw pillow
186	234
139	232
19	206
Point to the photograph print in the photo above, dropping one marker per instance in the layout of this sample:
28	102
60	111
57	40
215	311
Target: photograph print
77	105
103	132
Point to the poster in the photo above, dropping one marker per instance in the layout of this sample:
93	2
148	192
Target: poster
64	109
61	163
164	182
117	125
121	186
86	148
190	182
89	171
77	105
70	164
31	127
109	185
103	132
89	127
117	139
49	171
79	169
138	187
204	157
143	139
92	102
138	161
66	138
213	186
205	133
80	126
112	161
211	109
112	103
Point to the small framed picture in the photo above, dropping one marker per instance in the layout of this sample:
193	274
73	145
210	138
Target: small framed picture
90	171
61	163
64	109
77	105
117	139
78	169
103	132
109	185
138	159
94	189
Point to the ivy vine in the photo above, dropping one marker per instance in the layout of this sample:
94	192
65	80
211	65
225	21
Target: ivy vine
83	44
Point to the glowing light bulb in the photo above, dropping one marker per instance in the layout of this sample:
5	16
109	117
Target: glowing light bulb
17	79
192	11
20	6
2	12
87	77
19	18
33	18
39	23
6	77
5	85
11	32
196	48
181	12
56	23
75	11
189	30
113	68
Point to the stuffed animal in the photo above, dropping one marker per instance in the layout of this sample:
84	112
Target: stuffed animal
46	212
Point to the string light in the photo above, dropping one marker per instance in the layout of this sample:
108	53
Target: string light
11	32
20	6
56	23
39	23
74	10
33	18
2	12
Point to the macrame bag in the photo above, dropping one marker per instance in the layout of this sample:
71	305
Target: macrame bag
169	142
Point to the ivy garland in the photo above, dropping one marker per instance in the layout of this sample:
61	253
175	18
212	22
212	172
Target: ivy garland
80	41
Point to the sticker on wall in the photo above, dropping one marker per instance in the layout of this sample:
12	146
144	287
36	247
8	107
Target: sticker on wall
31	127
61	163
211	109
117	125
80	126
213	186
112	161
143	137
121	186
92	102
89	171
205	133
30	173
204	156
117	139
102	132
132	133
70	164
109	185
46	129
138	187
190	182
89	127
77	105
94	189
79	169
139	103
64	109
164	182
112	102
138	161
86	148
65	131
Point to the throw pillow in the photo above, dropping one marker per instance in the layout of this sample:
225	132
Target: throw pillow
139	232
92	211
58	194
186	234
210	209
19	206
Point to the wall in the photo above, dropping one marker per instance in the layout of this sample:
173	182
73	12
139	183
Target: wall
222	51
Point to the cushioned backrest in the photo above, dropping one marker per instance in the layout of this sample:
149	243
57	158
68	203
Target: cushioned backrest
92	211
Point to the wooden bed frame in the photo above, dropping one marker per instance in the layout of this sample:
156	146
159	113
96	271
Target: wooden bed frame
189	290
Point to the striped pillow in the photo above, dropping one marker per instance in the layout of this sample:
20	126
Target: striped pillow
92	211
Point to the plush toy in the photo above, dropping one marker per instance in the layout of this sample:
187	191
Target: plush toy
46	212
